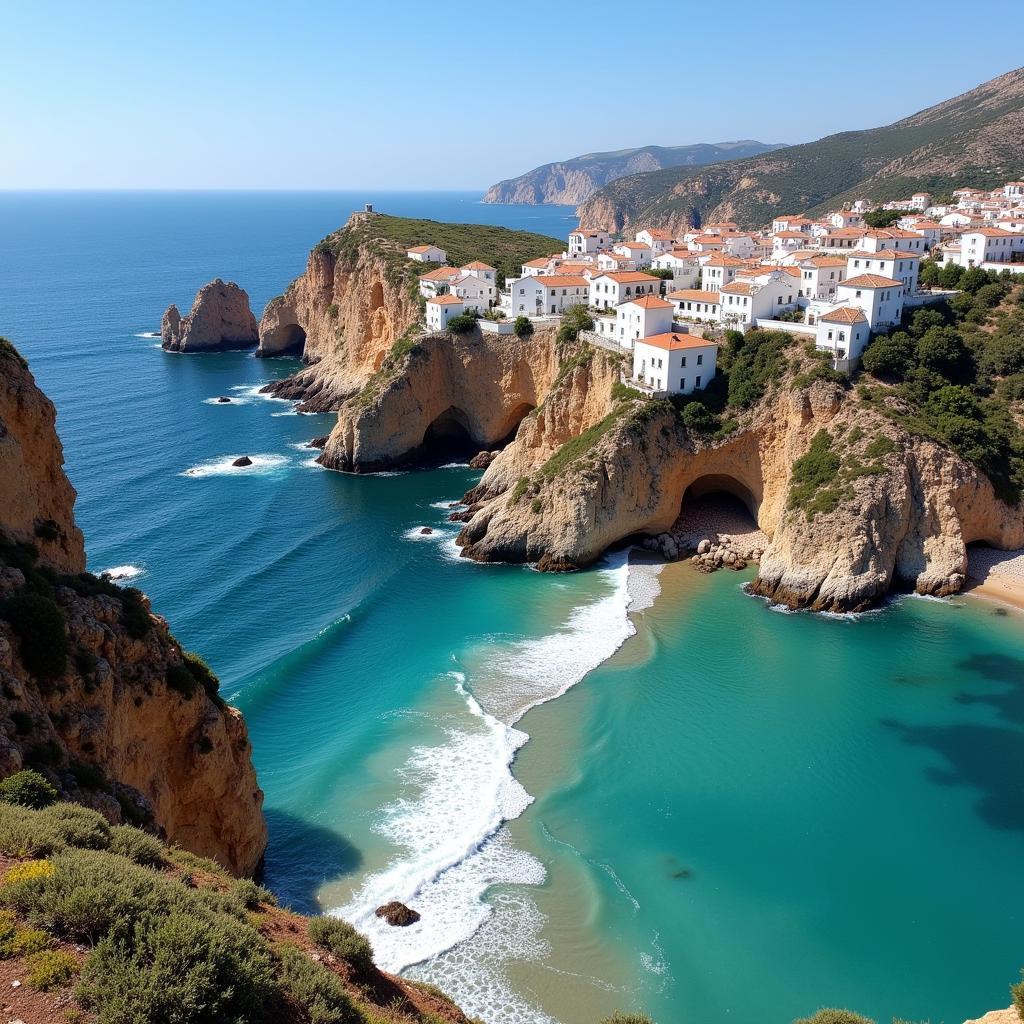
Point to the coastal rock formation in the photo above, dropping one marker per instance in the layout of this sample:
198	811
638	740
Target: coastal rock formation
448	392
398	915
904	522
342	316
220	319
96	693
36	499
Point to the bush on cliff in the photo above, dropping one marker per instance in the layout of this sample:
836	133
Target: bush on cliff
27	789
1017	991
42	634
462	324
341	939
523	327
829	1015
618	1017
574	320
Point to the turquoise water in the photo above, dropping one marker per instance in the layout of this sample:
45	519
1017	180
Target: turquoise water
737	817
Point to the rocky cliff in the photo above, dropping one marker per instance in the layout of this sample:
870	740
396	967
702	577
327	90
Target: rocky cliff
220	319
573	181
455	392
94	690
895	513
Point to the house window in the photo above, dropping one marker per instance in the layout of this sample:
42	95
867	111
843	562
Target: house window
682	383
683	362
857	293
696	383
700	359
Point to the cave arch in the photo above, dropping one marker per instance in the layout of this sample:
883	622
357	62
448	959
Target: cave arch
376	296
715	485
286	340
511	421
448	436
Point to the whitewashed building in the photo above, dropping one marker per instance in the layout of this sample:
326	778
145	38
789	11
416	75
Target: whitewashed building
820	274
757	296
588	240
899	264
684	266
640	318
658	240
548	295
844	332
719	270
437	282
441	309
881	298
639	252
674	364
427	254
989	245
696	304
608	290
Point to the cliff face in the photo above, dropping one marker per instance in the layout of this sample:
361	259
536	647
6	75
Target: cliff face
342	316
899	519
220	319
36	498
574	181
471	390
94	690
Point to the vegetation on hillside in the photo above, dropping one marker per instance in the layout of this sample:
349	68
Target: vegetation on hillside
972	140
502	248
955	372
124	929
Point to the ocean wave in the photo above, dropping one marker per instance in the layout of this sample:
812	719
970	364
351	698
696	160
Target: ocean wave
261	466
147	334
124	572
235	400
255	391
454	465
447	506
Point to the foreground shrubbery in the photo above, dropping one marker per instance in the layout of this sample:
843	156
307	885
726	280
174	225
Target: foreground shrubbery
170	938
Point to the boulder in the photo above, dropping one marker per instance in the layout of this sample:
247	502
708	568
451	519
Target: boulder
318	442
397	914
244	460
220	318
703	547
482	460
426	531
223	399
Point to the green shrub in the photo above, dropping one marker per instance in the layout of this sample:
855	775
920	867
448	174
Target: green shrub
135	616
462	324
180	968
880	447
833	1016
203	674
816	469
536	506
332	311
523	327
754	362
575	319
618	1017
1017	991
136	845
316	988
24	941
624	393
50	968
22	835
42	633
890	356
252	896
27	789
697	417
338	936
77	826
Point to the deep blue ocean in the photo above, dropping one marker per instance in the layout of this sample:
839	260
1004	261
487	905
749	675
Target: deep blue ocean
735	816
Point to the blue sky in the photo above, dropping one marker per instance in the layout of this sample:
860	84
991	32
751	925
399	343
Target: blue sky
401	94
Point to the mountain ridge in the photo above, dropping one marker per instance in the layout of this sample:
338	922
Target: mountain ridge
572	181
973	139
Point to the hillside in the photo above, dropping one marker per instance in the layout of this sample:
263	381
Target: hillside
976	139
571	182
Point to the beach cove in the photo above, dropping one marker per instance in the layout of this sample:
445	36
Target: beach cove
827	787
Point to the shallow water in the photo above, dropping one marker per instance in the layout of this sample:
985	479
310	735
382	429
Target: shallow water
738	816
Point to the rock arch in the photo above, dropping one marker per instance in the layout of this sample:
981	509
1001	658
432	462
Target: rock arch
510	424
449	434
711	484
286	339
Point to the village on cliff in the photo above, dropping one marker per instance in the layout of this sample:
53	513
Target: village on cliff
836	281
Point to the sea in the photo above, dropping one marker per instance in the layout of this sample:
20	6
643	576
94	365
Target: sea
621	789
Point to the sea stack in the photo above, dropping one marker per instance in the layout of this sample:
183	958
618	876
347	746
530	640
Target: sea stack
220	319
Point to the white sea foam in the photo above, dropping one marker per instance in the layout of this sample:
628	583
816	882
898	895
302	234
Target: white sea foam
124	572
235	400
148	334
261	465
449	829
446	506
455	465
256	391
416	533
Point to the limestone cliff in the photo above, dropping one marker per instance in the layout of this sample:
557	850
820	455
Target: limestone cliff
36	498
471	390
94	690
220	319
899	513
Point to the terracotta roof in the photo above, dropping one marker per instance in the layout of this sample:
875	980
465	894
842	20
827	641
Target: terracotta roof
634	245
724	260
629	277
848	233
424	248
440	274
990	232
789	234
845	315
673	341
694	295
560	281
477	265
870	281
824	260
445	300
739	288
883	254
664	236
543	261
650	302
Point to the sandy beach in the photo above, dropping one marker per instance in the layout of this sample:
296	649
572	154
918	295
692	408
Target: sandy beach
996	575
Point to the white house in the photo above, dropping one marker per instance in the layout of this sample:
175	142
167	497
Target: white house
881	298
846	219
899	264
757	295
674	364
441	309
542	265
1014	191
608	290
842	238
682	263
719	270
548	295
920	201
640	318
844	332
427	254
658	240
696	304
437	282
957	220
614	261
877	239
787	241
586	240
820	273
475	292
639	252
989	245
482	270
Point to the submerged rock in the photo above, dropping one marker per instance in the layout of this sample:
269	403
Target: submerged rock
397	914
482	460
243	461
223	398
318	442
426	530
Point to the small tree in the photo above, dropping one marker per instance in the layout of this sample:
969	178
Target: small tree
462	324
523	326
575	319
1017	991
697	418
830	1015
27	789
